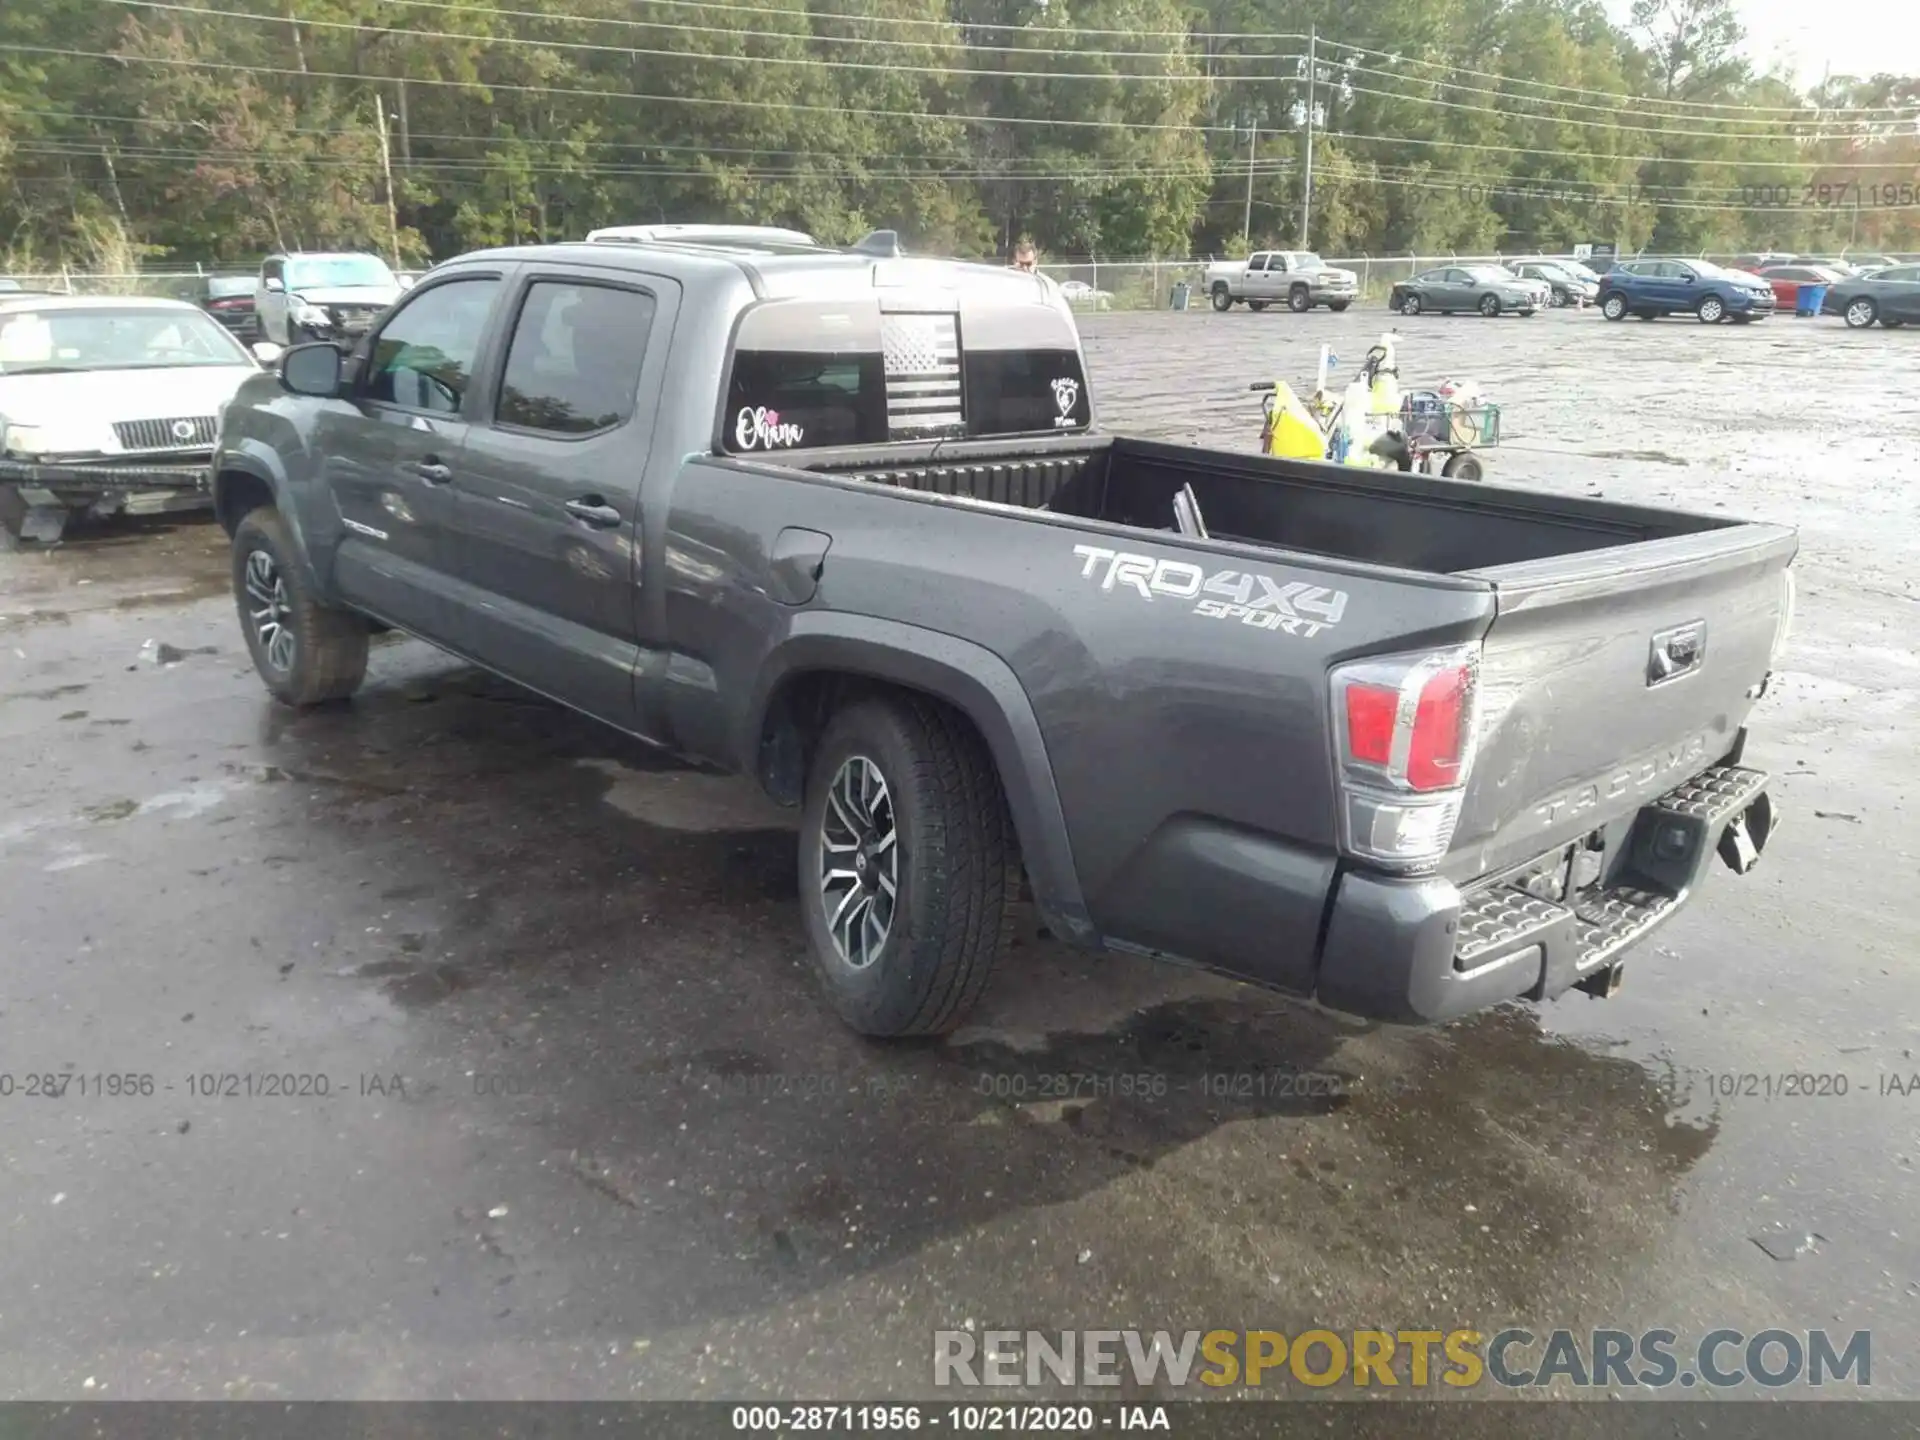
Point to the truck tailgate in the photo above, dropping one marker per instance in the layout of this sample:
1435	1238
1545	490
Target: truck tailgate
1610	677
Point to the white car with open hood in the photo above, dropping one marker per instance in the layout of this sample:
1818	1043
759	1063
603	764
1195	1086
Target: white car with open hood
109	405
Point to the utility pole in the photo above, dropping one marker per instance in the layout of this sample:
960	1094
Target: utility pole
1306	191
1253	146
386	168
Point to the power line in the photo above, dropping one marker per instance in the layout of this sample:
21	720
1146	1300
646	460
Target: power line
1622	159
723	102
816	62
1403	59
805	61
869	19
1192	35
916	43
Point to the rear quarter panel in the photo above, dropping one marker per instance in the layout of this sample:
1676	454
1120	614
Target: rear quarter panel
1155	714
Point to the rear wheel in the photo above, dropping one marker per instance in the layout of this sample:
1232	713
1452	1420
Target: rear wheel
1222	298
1299	300
1410	304
1558	300
1464	466
306	652
1489	305
1861	312
1614	307
908	866
1711	310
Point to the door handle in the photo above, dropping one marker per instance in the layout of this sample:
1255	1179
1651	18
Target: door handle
594	511
431	471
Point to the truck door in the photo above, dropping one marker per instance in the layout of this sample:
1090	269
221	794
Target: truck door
1259	283
387	454
547	494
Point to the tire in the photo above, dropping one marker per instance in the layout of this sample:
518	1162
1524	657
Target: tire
954	869
1891	324
1256	305
1336	306
1393	302
324	653
1489	306
1464	466
1646	314
1711	310
1299	300
1410	304
1614	306
1557	300
1222	298
1861	312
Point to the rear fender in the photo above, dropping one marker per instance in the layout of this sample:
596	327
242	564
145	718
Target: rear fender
981	686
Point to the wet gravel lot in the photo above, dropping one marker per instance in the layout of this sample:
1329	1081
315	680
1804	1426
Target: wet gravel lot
587	1131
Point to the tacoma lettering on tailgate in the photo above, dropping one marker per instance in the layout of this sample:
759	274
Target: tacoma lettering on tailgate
1295	608
1657	772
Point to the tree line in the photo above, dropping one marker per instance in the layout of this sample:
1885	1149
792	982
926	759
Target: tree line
217	130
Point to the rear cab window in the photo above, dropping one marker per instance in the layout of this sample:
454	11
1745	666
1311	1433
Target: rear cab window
809	374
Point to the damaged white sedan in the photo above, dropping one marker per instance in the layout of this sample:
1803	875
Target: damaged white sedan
109	405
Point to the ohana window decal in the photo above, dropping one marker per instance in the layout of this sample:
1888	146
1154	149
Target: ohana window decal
758	428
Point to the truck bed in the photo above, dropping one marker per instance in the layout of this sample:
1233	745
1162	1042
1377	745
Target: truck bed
1408	522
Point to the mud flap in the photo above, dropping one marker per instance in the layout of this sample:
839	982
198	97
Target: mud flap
32	513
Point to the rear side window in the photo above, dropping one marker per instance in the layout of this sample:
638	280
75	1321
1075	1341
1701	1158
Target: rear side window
809	375
573	366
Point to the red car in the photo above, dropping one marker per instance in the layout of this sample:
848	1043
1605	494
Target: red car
1786	281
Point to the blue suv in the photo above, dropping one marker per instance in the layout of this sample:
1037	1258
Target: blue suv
1671	287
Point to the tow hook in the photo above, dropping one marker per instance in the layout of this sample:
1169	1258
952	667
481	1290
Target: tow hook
1605	984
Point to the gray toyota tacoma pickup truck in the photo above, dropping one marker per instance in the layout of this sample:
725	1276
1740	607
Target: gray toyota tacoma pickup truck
846	524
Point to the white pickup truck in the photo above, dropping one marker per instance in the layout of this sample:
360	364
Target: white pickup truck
1300	278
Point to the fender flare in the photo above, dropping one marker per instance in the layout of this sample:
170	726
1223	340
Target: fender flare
981	686
261	463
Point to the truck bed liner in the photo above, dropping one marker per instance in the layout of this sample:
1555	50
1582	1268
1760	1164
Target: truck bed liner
1411	522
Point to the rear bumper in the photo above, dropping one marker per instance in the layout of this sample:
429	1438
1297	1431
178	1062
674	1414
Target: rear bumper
1420	951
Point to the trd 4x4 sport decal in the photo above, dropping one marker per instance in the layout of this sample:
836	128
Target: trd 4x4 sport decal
1294	608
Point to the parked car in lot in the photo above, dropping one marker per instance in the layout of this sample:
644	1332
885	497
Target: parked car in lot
1867	264
1079	292
1488	289
301	297
1651	288
1565	289
108	405
847	526
1299	279
230	300
1890	296
1762	260
1785	281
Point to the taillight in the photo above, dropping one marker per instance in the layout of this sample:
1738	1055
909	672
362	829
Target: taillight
1406	726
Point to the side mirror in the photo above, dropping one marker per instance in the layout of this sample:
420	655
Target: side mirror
266	352
314	370
274	286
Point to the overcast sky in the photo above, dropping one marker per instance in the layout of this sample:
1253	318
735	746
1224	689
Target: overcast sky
1854	37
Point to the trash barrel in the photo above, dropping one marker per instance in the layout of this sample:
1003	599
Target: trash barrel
1809	299
1181	291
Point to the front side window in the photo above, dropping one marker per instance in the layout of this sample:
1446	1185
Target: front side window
573	366
425	354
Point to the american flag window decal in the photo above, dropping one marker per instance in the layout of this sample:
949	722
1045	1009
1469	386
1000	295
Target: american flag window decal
922	356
